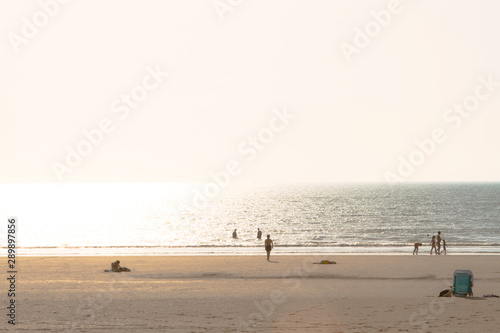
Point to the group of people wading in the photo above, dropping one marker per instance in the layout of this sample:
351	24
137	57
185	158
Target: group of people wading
268	243
435	245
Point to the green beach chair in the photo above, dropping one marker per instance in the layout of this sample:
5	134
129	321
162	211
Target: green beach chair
463	281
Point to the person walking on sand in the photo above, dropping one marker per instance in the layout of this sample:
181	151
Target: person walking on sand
433	245
269	246
235	235
259	234
444	246
438	238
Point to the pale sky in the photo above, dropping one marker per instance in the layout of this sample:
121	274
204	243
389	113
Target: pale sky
351	105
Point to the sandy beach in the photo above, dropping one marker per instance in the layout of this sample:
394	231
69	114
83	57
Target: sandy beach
361	293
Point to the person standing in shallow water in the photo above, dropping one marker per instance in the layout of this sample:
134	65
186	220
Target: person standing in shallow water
269	246
415	248
235	235
438	238
433	244
259	234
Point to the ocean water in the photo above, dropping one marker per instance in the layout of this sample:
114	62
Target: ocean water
157	219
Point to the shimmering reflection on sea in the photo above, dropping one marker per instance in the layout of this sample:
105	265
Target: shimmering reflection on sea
367	216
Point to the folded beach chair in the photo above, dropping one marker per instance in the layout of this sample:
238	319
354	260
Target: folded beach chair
463	281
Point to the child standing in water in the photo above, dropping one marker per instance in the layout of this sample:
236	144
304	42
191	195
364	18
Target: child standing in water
444	246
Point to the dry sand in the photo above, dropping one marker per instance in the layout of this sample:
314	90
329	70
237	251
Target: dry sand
369	293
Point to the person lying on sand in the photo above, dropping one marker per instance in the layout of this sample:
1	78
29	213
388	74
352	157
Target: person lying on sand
115	267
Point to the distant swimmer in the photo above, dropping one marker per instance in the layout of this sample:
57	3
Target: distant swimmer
259	234
415	249
235	235
269	246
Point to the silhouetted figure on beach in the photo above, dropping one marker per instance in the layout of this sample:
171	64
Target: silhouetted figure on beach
235	235
269	246
433	244
259	234
438	238
115	267
444	246
415	249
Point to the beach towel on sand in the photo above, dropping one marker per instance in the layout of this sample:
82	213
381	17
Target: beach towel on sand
124	269
325	262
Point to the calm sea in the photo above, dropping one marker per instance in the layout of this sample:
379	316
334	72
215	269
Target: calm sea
155	219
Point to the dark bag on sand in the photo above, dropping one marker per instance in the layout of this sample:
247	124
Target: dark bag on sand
445	293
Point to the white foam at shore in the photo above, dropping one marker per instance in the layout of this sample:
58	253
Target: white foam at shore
192	251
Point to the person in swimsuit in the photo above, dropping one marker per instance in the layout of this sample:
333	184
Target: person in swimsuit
415	249
444	246
269	246
115	267
259	234
438	238
433	244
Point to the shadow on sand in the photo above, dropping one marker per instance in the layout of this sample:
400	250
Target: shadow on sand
472	298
